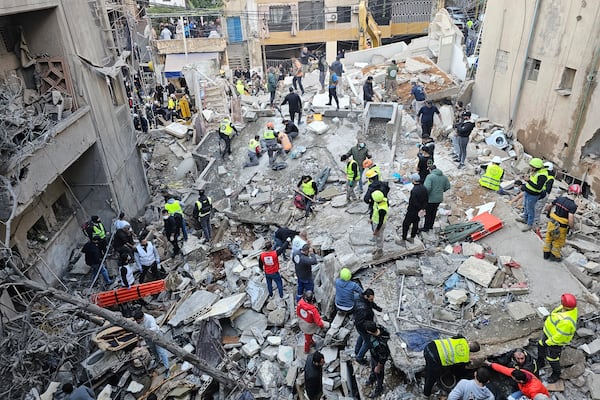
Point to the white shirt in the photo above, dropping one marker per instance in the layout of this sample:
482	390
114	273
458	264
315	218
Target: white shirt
150	323
166	34
146	257
121	223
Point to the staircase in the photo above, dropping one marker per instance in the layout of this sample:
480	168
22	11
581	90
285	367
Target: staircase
473	69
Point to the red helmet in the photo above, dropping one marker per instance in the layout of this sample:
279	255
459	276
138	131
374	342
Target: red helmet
568	300
270	125
575	188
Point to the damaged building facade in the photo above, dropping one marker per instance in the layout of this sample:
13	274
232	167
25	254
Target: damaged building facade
537	75
69	149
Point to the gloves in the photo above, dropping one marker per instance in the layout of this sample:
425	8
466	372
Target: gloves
350	183
326	325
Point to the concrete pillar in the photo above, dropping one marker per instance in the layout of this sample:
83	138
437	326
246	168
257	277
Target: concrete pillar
331	51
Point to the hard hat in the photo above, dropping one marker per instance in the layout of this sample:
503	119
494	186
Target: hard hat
270	125
368	163
568	300
497	160
371	173
549	166
377	196
575	188
345	274
536	162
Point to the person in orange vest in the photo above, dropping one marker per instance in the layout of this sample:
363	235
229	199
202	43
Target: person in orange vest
309	319
284	141
529	385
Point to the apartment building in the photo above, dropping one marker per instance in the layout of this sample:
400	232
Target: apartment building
68	144
537	75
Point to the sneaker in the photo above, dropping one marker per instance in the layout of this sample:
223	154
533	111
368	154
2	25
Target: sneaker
327	104
410	239
526	228
461	166
521	219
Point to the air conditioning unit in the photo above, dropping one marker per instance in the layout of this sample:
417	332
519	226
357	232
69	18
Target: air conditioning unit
355	9
331	17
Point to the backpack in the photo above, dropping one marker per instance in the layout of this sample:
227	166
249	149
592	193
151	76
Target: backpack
299	202
85	228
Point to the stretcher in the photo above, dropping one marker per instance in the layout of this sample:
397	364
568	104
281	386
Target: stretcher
124	295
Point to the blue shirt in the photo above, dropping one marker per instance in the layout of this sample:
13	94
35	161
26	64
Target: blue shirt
427	113
346	292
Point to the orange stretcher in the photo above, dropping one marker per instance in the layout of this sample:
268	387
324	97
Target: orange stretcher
124	295
490	225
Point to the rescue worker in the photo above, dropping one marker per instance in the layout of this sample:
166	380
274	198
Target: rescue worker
303	262
284	141
333	83
309	319
417	204
375	183
172	106
147	259
282	239
254	152
378	220
363	312
559	328
239	86
268	261
270	139
352	176
559	222
93	259
171	230
531	192
529	385
463	131
493	175
313	375
369	165
202	210
346	291
126	278
424	162
95	228
175	208
226	131
540	205
359	153
294	102
391	83
309	191
123	241
380	353
443	355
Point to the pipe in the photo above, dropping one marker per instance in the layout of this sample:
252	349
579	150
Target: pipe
524	68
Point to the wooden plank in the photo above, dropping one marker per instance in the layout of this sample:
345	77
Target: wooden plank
493	292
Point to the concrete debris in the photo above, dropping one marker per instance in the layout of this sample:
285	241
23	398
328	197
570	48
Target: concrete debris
477	270
520	311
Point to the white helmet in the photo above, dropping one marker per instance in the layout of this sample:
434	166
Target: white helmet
549	166
497	160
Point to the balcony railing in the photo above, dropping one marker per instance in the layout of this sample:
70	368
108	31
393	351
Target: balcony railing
193	45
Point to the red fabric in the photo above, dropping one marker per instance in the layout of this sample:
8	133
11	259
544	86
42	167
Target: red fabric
308	313
308	341
530	388
270	262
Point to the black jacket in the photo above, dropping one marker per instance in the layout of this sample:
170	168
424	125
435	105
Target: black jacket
93	255
172	226
313	379
368	91
418	199
294	101
378	345
465	128
363	312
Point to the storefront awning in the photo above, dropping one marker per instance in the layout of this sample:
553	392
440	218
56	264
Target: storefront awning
175	62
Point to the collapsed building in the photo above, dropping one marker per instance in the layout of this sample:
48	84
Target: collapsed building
216	306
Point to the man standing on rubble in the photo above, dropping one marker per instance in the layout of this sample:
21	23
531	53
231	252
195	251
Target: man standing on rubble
463	130
147	259
378	220
149	323
303	262
375	183
93	258
272	85
313	375
418	93
171	231
202	210
352	176
380	353
333	83
299	241
363	312
359	153
338	68
559	328
126	278
226	131
560	221
436	184
391	83
531	192
123	242
294	102
417	204
298	74
309	319
96	228
443	355
426	116
309	191
368	91
268	261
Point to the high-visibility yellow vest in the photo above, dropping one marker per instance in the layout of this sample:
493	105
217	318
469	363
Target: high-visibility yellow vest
98	230
560	326
225	127
240	87
174	208
382	205
252	145
376	169
204	207
269	134
534	178
452	351
550	178
492	176
307	188
350	171
172	104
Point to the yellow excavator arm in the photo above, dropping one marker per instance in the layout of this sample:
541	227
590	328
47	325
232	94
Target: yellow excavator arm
369	32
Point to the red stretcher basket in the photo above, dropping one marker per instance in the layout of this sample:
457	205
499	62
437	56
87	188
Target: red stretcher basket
124	295
490	225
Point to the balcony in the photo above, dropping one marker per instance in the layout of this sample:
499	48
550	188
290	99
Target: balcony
194	45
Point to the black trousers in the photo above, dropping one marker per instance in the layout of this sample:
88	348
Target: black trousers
430	216
410	220
227	141
333	94
293	114
376	377
153	268
550	354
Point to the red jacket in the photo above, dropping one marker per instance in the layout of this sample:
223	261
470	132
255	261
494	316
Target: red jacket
269	262
530	388
308	313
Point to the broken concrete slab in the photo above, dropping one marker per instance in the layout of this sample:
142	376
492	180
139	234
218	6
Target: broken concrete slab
285	355
330	353
246	320
492	292
519	310
198	303
276	317
225	307
176	129
261	198
318	127
80	267
269	374
269	353
593	382
437	269
251	348
274	340
591	348
592	267
339	201
191	245
258	294
457	296
470	249
479	271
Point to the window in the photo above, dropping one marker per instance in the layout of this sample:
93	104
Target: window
533	68
39	231
311	15
62	209
566	82
501	63
344	14
280	18
234	30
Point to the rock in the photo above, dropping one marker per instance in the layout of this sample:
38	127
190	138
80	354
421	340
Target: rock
274	340
269	353
570	356
592	267
328	384
329	353
258	294
248	319
573	371
269	374
591	348
519	310
251	348
80	267
585	332
576	259
339	201
290	378
134	387
225	307
593	381
285	355
479	271
457	296
276	317
436	269
470	249
221	170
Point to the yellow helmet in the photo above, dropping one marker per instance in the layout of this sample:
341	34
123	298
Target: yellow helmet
345	274
536	163
371	173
